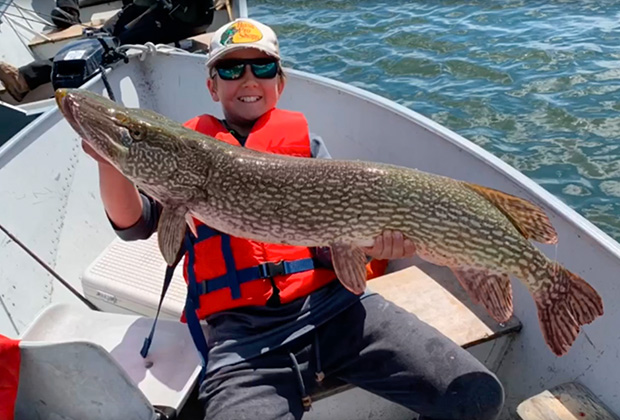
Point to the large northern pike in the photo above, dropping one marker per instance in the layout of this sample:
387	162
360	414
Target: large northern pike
480	233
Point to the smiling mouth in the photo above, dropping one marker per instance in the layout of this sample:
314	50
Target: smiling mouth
250	99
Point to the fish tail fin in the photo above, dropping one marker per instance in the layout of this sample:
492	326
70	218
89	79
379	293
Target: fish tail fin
564	306
585	303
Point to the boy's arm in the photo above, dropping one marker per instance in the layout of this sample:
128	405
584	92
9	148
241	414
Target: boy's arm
132	214
146	225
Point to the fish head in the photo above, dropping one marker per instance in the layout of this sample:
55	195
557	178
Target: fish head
146	147
103	124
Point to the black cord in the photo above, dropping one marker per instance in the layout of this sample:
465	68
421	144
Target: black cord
108	88
110	55
49	269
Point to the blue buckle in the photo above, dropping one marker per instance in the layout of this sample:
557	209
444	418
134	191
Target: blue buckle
267	270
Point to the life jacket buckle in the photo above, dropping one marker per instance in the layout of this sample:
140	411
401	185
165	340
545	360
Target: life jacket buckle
269	269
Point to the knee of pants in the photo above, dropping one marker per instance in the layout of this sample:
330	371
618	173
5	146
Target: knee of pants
476	395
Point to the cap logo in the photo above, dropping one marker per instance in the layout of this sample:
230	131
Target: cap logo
241	33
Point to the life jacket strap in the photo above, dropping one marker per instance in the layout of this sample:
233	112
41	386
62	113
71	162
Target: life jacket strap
262	271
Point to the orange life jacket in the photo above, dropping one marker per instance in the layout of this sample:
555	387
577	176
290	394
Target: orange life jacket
10	360
228	272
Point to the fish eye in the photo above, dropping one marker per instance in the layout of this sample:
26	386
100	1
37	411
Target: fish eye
137	133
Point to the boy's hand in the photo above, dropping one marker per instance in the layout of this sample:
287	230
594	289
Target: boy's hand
391	245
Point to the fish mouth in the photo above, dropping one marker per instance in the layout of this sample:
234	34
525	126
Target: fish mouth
63	101
94	119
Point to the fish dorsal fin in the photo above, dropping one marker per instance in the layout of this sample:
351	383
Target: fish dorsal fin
527	217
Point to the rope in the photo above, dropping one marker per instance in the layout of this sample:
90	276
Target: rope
150	49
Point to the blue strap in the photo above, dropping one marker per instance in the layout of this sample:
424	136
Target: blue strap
232	280
204	232
262	271
192	304
233	277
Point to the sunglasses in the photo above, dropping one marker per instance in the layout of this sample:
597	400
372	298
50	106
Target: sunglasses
262	68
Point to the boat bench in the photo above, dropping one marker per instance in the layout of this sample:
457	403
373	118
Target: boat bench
569	401
127	278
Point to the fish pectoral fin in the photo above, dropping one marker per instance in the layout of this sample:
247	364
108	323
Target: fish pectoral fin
170	233
350	265
492	290
526	216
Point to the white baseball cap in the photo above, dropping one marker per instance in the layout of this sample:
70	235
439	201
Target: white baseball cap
240	34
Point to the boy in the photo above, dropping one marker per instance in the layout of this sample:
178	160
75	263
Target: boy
275	331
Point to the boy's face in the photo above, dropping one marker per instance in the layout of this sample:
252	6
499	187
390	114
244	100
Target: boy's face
246	99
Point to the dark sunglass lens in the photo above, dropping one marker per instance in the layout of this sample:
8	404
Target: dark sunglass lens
230	72
265	71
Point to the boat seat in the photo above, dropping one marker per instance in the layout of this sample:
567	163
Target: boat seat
76	380
166	377
202	42
127	278
569	401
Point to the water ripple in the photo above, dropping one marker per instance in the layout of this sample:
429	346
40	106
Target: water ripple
534	82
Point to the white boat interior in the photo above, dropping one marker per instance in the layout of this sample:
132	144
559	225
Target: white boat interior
50	203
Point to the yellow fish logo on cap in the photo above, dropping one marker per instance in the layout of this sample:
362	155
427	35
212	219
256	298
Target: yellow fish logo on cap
241	33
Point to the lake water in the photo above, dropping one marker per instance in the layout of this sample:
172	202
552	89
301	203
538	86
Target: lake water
535	83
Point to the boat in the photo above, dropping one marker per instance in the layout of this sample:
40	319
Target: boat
51	208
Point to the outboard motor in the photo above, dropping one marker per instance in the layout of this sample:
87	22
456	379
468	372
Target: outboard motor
81	60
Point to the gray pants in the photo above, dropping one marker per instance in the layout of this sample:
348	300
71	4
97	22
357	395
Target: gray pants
374	345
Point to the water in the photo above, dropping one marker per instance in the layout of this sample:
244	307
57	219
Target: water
536	83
